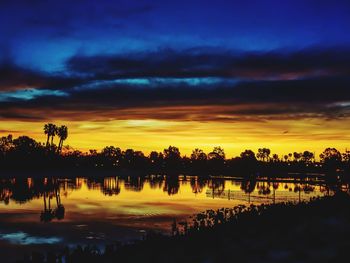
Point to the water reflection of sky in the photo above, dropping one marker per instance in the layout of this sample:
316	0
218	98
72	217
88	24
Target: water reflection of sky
85	211
21	238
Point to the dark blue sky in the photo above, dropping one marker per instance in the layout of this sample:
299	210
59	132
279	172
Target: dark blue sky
44	34
290	59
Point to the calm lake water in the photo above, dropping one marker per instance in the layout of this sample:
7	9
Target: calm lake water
55	212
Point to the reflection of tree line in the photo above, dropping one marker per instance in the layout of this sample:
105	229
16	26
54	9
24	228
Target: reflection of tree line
50	190
267	190
49	213
264	190
23	190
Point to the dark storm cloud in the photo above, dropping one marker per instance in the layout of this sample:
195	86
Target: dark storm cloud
210	62
13	77
274	85
245	101
195	63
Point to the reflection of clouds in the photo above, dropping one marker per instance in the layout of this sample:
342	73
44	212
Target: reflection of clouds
22	238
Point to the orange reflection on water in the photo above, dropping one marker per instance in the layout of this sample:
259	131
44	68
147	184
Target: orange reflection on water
103	210
136	201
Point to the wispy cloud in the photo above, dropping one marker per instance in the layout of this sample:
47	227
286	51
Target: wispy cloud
30	94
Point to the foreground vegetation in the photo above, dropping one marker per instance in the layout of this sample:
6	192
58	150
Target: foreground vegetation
317	231
27	154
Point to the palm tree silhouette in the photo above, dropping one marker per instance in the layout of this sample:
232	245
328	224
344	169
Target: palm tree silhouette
51	130
47	131
53	134
62	133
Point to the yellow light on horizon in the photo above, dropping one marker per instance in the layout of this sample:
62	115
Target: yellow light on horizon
281	136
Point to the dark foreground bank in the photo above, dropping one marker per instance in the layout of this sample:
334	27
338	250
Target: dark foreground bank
318	231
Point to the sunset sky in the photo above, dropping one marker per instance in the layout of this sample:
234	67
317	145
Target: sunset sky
149	74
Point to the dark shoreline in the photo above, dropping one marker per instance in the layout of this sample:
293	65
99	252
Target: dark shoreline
317	231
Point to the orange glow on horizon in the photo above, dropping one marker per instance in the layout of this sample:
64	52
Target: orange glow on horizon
281	136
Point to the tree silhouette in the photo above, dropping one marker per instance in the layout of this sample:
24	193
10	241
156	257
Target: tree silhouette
331	158
346	156
112	155
172	153
5	144
155	157
32	154
25	145
330	154
217	153
248	155
62	133
47	131
50	130
198	155
263	154
297	156
172	157
307	156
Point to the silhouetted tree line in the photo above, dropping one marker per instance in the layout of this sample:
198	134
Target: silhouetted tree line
24	152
